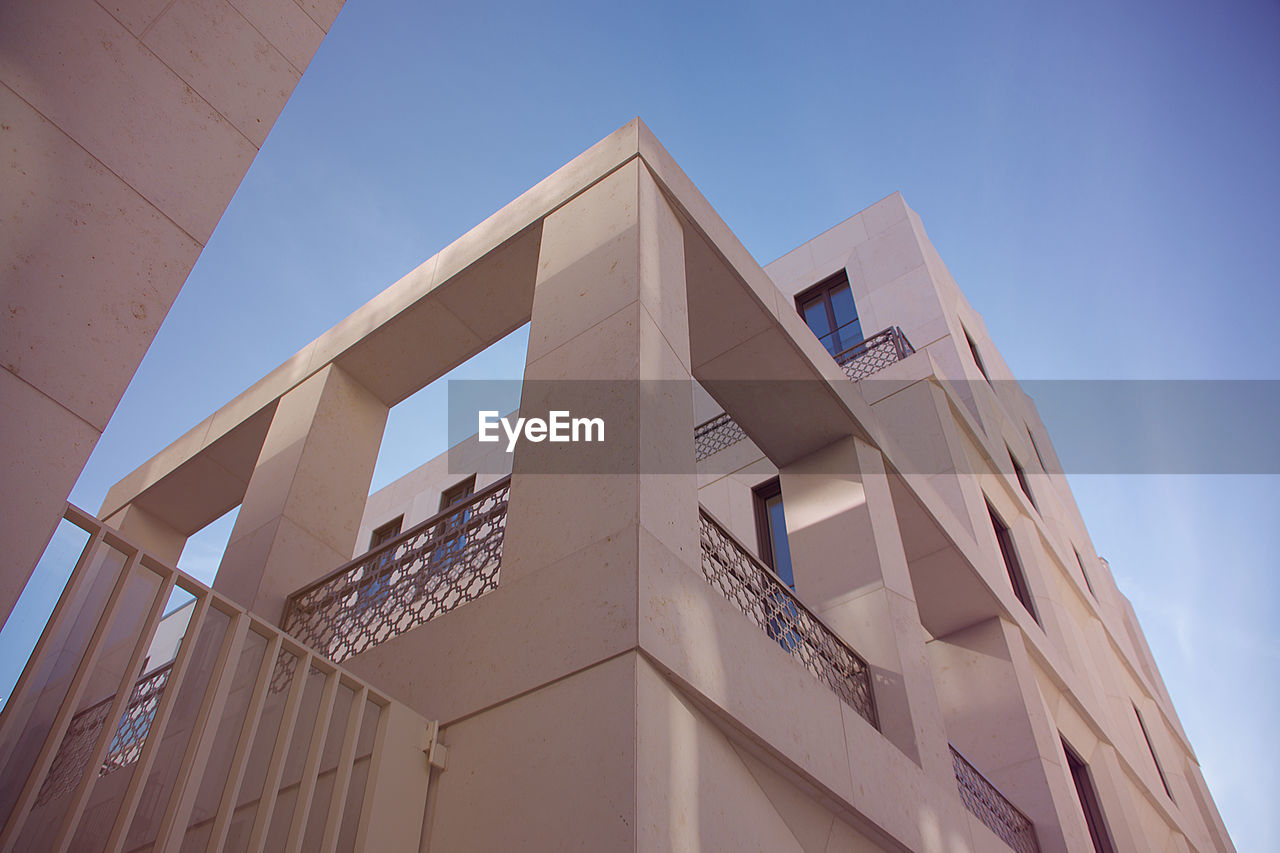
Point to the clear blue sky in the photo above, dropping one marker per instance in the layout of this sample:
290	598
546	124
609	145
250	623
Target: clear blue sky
1100	178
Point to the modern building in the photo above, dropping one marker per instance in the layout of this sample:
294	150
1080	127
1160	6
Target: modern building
820	586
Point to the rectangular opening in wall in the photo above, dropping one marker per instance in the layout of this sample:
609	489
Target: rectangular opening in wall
1035	447
1011	563
386	532
771	530
1151	749
1084	574
977	359
1022	478
828	309
1089	802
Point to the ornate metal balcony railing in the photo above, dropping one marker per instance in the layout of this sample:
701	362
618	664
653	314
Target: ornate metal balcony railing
762	596
125	746
446	561
858	362
715	435
989	806
874	353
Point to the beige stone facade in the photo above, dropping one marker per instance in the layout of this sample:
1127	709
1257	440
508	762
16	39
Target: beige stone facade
942	664
127	127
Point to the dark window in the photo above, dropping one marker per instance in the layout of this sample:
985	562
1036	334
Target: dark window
829	311
1022	478
977	359
386	532
1152	750
1011	564
771	532
1036	448
1084	574
378	583
458	493
452	543
1088	801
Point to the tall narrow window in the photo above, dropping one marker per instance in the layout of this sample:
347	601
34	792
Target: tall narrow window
1151	749
377	584
1022	477
771	532
1088	801
977	359
450	530
829	311
1011	563
1036	448
1084	574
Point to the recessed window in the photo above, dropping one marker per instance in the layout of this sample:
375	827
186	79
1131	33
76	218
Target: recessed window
1011	563
1036	448
386	532
451	531
458	493
1089	802
1159	770
977	359
1084	574
829	311
1022	477
771	531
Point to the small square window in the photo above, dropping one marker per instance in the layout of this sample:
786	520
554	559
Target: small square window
386	532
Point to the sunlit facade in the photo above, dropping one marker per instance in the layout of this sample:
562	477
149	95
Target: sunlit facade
823	588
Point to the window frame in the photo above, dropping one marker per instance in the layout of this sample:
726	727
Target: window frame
973	350
761	495
384	533
1012	562
1020	473
824	289
1084	573
1142	724
1087	795
466	487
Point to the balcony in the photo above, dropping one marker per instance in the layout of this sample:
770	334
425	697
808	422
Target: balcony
446	561
874	354
766	600
151	715
990	806
859	361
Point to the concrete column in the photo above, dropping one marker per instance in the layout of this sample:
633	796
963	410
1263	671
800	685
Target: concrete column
154	535
609	326
994	716
301	512
850	568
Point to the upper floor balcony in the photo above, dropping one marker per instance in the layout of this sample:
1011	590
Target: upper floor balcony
859	361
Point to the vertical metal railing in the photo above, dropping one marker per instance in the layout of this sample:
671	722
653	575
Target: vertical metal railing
134	767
